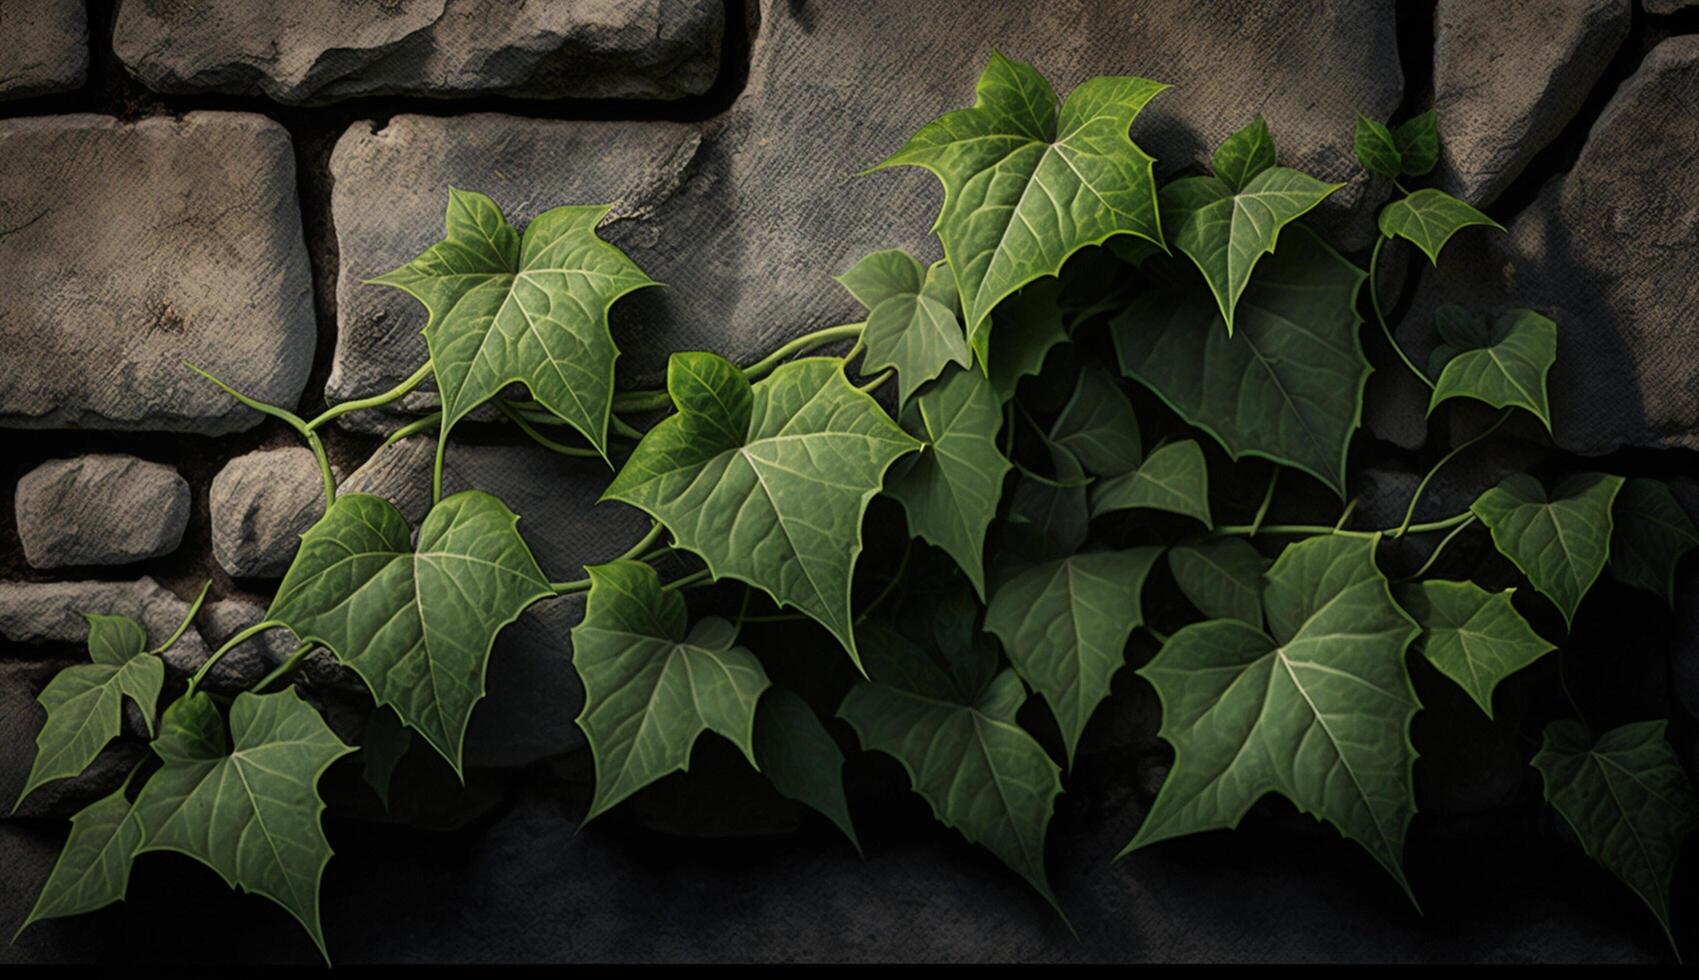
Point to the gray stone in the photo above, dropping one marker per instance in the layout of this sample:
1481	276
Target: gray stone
748	217
260	505
1608	251
52	612
1664	7
21	719
245	664
130	248
45	49
101	509
314	51
1507	78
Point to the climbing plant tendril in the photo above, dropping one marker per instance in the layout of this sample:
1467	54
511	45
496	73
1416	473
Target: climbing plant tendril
1071	419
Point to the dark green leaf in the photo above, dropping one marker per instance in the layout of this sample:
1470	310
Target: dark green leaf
1417	140
801	758
1650	533
1559	542
93	870
1097	426
1028	326
382	745
1429	218
1050	517
1222	577
1475	637
1376	148
1243	155
1503	364
1175	478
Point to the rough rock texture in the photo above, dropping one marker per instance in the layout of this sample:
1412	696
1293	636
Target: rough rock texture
52	612
45	49
154	243
101	509
1667	6
748	222
253	659
1502	95
322	50
1608	252
260	504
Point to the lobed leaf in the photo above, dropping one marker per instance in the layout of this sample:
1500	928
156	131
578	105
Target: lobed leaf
911	318
1503	364
1376	148
1475	637
1175	478
1649	535
1029	325
1417	141
1097	426
1429	218
1242	156
768	483
1026	185
653	683
93	869
1222	577
1560	542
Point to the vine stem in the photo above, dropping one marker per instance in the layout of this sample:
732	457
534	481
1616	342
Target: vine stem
872	386
1434	556
568	588
687	581
294	422
412	428
285	668
1380	318
183	627
235	641
374	401
436	464
540	439
1267	500
891	586
1415	498
648	540
1439	525
802	344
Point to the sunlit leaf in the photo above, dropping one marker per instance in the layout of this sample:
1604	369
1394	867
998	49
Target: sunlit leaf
1475	637
1560	542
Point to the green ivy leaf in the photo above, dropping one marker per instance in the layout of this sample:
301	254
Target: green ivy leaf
382	745
251	812
801	758
1026	186
1429	218
956	663
1475	637
1377	149
1222	577
1097	426
416	624
1317	709
1503	364
1226	231
1242	156
911	318
653	683
1288	395
1064	625
533	309
1559	542
1175	478
1650	533
951	488
85	702
768	483
1050	517
1627	800
93	870
981	773
1417	140
1028	326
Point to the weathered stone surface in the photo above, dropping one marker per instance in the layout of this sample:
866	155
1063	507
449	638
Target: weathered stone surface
1508	77
45	49
52	612
20	719
245	664
260	504
1608	251
130	248
748	218
100	509
322	50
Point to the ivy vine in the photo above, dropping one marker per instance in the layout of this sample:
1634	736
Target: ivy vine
986	395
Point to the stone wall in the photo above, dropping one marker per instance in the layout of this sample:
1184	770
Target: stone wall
211	182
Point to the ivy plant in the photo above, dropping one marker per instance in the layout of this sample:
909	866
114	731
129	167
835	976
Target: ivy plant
1065	411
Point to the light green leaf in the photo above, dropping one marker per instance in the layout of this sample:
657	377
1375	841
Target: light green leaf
801	758
1289	395
93	870
1417	139
1097	426
1503	364
1025	186
651	687
950	489
382	745
1028	326
911	318
1317	709
1475	637
981	773
768	484
533	309
1429	218
1175	478
1627	800
250	812
1376	148
1243	155
1225	232
1064	625
1559	542
85	702
416	624
1650	533
1222	577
